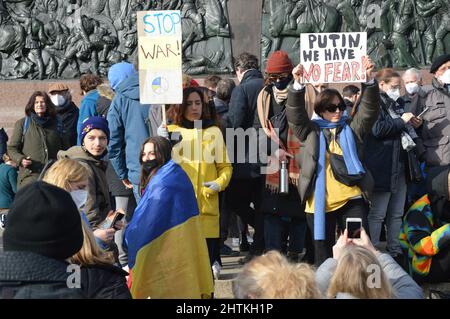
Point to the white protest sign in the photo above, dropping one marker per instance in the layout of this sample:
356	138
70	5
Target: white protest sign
333	57
159	45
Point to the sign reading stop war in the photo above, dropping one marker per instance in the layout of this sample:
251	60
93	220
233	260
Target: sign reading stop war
160	53
333	57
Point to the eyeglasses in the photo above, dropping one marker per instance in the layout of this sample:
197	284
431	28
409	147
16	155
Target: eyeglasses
333	107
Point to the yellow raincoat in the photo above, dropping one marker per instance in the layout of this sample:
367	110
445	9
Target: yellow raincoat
203	156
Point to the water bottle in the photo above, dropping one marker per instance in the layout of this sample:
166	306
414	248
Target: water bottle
284	178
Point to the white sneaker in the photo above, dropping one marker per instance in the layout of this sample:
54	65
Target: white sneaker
216	268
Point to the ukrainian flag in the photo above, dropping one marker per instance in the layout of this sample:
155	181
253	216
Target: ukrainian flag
167	252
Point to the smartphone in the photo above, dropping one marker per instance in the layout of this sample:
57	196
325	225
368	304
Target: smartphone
118	216
423	112
354	226
111	220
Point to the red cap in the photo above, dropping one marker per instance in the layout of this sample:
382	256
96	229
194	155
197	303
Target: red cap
279	62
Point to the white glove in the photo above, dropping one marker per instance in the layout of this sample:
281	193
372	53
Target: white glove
162	131
212	186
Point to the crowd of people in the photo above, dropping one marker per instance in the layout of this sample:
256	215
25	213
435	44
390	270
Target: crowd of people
141	203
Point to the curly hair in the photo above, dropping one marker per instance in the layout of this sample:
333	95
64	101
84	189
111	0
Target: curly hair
89	82
50	107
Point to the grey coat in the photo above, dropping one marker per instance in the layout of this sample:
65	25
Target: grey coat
403	285
435	130
308	134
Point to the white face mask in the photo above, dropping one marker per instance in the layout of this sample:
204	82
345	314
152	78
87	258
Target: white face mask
393	94
79	197
57	99
412	88
445	78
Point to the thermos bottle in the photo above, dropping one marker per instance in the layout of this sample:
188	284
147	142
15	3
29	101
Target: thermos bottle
284	178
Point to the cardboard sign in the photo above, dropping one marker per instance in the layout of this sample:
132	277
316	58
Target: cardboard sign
333	57
160	53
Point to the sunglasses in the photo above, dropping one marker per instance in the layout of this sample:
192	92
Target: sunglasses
277	77
333	107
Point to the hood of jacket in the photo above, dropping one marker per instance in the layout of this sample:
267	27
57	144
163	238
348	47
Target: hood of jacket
130	87
105	91
78	153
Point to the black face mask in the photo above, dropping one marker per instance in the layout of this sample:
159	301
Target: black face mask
281	85
148	166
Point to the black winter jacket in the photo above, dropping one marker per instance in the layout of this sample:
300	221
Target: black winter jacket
104	282
241	114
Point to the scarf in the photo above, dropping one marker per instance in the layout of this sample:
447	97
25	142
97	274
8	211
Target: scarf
352	162
293	146
280	95
190	124
42	121
410	134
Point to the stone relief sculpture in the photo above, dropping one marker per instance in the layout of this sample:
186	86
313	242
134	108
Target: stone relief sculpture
42	39
401	33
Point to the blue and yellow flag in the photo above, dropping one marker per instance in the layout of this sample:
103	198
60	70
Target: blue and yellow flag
167	252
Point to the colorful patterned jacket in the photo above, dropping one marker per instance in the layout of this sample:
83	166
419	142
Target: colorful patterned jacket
422	237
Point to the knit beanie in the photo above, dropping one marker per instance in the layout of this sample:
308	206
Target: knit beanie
119	72
438	62
94	123
43	219
279	62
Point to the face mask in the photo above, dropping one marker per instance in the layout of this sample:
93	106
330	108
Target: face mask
57	99
412	88
445	78
79	197
393	94
281	85
148	166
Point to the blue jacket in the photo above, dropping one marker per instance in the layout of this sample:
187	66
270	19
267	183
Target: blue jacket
8	185
128	123
87	109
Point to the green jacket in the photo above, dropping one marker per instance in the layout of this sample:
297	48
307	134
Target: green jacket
98	204
40	144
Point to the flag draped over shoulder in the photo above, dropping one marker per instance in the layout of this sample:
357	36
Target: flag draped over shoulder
167	252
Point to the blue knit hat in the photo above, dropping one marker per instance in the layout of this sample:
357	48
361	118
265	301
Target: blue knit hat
119	72
94	123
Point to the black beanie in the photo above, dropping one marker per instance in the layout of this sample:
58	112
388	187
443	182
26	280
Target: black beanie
43	219
437	188
438	62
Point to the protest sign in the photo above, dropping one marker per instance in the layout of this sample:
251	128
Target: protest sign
333	57
160	54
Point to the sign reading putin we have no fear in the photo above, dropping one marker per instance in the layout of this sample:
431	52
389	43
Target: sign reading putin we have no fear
160	57
333	57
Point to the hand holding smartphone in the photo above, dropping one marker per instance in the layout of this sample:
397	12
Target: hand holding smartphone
111	220
423	112
354	226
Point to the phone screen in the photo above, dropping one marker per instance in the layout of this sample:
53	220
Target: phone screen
354	229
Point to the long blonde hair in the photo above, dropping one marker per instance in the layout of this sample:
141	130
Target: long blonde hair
356	268
61	174
272	276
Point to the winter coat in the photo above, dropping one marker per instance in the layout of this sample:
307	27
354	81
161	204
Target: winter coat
41	144
8	185
403	285
201	170
241	114
104	282
383	152
273	203
26	275
308	133
68	114
130	123
415	103
435	130
87	109
98	202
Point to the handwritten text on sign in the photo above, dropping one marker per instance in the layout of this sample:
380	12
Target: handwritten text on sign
160	57
333	57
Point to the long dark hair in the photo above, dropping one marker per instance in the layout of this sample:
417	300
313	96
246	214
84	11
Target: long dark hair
178	112
325	98
50	108
163	154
